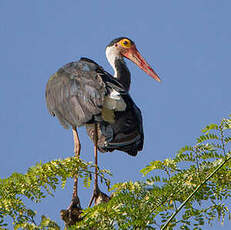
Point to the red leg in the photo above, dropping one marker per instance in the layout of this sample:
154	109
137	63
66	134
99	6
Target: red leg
97	196
96	188
72	214
77	148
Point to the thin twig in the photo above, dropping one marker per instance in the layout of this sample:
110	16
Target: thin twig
221	129
197	188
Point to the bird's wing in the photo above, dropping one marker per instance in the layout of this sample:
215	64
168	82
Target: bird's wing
75	93
125	134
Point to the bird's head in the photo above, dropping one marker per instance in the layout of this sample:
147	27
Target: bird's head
125	47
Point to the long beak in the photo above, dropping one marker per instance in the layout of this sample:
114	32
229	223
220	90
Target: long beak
134	55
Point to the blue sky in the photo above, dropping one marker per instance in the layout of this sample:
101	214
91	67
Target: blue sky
186	42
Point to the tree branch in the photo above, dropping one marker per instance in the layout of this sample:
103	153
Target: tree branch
191	195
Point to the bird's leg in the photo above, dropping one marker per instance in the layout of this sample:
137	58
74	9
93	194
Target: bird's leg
97	196
72	214
96	158
77	148
96	188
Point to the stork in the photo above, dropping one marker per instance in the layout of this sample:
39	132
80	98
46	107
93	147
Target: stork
82	93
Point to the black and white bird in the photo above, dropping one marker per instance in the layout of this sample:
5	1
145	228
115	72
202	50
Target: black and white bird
82	93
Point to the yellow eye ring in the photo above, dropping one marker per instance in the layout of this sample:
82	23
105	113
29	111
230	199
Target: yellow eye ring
125	43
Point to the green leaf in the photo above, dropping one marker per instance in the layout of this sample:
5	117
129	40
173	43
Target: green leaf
210	127
207	137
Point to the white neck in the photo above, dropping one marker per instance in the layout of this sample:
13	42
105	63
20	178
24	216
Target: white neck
112	54
117	62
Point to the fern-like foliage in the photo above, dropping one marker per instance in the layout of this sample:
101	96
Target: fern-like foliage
39	182
185	192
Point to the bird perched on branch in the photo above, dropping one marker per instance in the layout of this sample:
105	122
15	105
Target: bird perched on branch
82	93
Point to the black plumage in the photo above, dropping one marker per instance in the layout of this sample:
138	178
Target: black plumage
125	134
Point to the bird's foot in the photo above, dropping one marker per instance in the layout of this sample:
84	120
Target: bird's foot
98	197
72	214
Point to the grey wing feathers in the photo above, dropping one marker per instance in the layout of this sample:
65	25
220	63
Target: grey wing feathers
75	93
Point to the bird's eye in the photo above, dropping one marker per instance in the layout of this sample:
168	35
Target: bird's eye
125	43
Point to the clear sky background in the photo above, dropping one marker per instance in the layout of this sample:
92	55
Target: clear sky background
186	42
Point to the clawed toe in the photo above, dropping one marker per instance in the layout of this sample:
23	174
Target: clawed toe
72	214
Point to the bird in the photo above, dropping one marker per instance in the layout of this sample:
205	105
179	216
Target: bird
82	93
